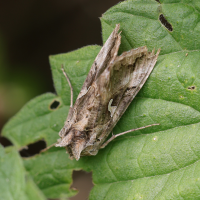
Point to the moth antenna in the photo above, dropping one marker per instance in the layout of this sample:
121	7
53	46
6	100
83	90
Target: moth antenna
123	133
70	85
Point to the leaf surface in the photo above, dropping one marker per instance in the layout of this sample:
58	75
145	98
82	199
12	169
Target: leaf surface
14	181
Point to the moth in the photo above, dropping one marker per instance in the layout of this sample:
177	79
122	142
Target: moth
111	85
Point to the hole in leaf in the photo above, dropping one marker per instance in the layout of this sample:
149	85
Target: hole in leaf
82	181
54	105
33	149
165	22
191	88
5	142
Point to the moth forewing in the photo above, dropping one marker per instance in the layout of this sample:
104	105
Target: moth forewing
112	83
143	67
107	52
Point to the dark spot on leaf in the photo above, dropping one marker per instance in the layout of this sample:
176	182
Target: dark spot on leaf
54	105
5	142
158	1
191	87
33	149
165	22
82	181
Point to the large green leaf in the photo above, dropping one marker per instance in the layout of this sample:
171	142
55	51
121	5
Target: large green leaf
15	183
51	171
160	162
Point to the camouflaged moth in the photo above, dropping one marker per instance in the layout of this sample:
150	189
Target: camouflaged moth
112	83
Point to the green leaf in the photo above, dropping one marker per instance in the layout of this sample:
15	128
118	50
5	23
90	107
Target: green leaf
15	183
51	171
77	65
160	162
140	25
35	121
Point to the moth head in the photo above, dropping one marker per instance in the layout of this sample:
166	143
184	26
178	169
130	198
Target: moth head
62	132
66	138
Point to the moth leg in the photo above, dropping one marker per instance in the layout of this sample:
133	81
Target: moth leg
49	147
70	85
123	133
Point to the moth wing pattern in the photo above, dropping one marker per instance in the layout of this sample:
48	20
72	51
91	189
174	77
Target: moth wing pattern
144	65
108	51
111	85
